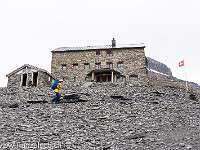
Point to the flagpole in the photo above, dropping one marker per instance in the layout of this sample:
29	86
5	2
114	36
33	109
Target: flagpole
186	83
182	63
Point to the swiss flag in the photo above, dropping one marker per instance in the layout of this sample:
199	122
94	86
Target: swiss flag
181	63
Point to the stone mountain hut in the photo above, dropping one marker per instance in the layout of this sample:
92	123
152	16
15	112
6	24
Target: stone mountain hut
110	63
28	75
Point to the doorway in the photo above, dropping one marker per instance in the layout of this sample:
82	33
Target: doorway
24	78
105	78
35	77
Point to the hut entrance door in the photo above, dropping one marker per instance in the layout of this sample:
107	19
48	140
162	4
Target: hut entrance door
104	78
35	77
24	78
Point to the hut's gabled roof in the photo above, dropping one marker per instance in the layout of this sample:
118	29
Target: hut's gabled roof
86	48
28	66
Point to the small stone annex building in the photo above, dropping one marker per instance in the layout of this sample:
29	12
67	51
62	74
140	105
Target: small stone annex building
110	63
28	75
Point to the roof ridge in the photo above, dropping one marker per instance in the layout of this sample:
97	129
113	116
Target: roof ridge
99	47
27	65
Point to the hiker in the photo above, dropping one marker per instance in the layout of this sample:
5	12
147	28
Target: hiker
56	87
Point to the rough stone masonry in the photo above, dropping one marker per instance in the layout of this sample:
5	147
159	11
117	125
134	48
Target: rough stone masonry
110	63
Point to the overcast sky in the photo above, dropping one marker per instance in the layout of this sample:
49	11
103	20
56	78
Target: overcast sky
30	29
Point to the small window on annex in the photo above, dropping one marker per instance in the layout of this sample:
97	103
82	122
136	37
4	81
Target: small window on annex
74	66
120	65
97	65
64	67
133	78
121	79
109	52
109	65
86	66
98	53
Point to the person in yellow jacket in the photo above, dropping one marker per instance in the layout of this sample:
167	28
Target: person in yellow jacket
56	86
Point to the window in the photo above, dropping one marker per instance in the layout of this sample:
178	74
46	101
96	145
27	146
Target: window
97	65
109	65
98	53
109	52
64	67
74	66
86	66
120	65
133	78
121	79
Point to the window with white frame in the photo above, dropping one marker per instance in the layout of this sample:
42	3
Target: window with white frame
98	53
133	78
109	65
64	67
120	65
74	66
86	66
109	52
97	65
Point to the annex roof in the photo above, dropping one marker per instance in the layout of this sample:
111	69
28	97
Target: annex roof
28	66
61	49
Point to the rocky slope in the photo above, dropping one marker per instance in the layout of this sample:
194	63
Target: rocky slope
100	117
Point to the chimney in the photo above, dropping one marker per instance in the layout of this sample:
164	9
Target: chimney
113	42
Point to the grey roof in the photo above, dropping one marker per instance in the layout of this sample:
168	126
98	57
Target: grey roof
141	45
29	66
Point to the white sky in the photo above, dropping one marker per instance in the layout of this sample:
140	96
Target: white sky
30	29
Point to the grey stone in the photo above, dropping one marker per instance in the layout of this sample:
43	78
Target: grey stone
13	106
136	136
188	146
137	123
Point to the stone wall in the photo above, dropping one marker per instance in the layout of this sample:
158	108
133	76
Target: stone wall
133	59
44	80
15	79
175	84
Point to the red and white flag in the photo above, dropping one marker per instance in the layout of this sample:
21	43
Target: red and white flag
181	63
